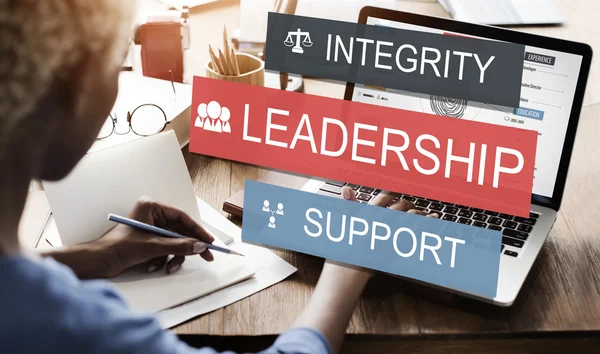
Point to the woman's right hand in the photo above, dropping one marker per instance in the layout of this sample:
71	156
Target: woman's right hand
386	200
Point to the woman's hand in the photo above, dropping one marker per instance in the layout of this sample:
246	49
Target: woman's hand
385	200
124	247
339	286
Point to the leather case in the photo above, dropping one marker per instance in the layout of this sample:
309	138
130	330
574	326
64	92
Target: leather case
234	205
162	50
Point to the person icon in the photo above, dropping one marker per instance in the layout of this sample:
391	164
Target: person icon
202	114
225	115
207	125
214	111
279	209
272	222
266	206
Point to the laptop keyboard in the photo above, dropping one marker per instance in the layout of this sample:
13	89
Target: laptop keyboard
515	229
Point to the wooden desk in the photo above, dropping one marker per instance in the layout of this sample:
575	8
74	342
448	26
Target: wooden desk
558	308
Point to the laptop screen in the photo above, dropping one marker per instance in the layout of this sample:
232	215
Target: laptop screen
547	92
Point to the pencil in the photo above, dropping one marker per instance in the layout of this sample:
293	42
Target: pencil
172	83
228	57
235	63
218	68
224	63
164	233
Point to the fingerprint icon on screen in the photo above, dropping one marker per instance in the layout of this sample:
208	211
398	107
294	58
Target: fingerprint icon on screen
447	106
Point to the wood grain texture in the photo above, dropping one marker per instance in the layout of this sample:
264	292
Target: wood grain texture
560	298
560	294
252	71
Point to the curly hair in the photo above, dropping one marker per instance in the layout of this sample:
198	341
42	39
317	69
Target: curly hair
40	40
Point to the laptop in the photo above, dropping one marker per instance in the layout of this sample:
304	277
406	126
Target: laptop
554	78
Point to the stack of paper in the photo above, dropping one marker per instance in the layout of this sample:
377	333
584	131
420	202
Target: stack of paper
111	181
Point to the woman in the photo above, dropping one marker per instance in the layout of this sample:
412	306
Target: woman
59	72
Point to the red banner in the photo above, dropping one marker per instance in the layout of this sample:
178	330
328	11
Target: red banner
458	161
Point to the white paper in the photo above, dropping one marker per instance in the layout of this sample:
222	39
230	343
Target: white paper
348	10
157	291
272	270
113	180
217	224
269	270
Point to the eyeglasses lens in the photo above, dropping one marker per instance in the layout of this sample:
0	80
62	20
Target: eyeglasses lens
148	120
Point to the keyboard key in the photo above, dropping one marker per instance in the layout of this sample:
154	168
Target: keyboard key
491	213
477	210
510	224
354	186
364	197
465	213
367	190
494	227
436	207
525	221
505	216
331	189
422	203
450	210
534	215
511	253
480	217
447	204
495	221
465	221
377	191
512	242
336	183
409	198
524	228
479	224
462	206
516	234
449	217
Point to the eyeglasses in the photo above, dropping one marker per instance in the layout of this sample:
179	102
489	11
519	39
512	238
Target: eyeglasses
147	119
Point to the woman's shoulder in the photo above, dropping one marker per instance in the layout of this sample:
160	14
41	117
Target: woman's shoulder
43	299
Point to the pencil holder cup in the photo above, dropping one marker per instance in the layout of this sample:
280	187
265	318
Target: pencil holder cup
252	71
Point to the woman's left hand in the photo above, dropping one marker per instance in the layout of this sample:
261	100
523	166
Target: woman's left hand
124	247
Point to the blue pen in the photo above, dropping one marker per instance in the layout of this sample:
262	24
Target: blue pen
165	233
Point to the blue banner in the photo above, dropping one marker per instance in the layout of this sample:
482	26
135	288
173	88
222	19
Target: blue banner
443	253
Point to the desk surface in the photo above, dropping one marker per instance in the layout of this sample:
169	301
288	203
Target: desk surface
562	291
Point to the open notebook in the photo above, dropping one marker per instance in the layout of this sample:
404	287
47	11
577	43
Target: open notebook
111	181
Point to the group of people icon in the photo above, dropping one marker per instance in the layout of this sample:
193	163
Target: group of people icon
278	211
213	117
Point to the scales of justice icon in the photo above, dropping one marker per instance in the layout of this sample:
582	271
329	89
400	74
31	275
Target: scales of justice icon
296	43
